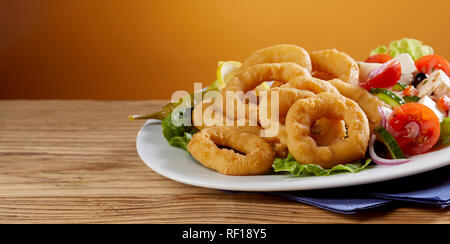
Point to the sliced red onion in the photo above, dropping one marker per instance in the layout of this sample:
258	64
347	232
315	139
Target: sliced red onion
383	161
385	113
374	72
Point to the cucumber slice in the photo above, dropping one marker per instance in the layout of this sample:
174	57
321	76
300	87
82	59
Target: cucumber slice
411	99
387	96
389	141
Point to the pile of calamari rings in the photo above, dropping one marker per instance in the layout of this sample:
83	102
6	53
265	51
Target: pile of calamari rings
324	117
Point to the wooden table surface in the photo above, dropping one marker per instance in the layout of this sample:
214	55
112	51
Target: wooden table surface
76	162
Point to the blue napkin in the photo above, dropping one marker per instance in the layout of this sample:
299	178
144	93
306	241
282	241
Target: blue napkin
432	188
343	202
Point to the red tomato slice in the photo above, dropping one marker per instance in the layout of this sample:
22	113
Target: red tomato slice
429	63
415	127
410	91
385	77
444	103
378	58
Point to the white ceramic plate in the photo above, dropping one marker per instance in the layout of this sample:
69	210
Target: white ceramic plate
177	164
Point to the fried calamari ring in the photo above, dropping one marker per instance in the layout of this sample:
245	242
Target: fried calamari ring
312	84
201	121
249	77
322	75
256	155
276	84
335	63
198	119
287	96
328	131
301	117
205	115
280	53
368	102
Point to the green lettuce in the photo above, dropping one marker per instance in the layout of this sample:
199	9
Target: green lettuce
413	47
295	168
177	136
445	131
380	50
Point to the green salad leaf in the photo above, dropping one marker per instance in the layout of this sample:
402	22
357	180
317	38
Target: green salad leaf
295	168
445	131
413	47
380	50
177	136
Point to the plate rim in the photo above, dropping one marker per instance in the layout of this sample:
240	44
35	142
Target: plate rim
347	178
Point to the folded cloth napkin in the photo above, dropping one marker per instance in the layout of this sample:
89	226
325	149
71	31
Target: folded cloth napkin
344	202
427	188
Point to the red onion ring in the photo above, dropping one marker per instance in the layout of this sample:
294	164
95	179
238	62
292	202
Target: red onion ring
383	161
385	113
374	72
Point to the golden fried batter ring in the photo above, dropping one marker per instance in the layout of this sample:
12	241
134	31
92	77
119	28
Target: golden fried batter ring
205	115
201	121
368	102
305	112
322	75
287	97
335	63
251	155
328	131
280	53
312	84
249	77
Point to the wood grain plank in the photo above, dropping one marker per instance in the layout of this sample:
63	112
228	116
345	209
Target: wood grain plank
76	162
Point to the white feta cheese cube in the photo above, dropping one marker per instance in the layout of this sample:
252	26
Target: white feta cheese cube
407	63
408	68
427	101
435	86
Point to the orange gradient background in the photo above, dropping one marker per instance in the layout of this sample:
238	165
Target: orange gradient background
92	49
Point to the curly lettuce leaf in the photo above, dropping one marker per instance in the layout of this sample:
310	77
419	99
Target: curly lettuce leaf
413	47
295	168
379	50
445	131
177	136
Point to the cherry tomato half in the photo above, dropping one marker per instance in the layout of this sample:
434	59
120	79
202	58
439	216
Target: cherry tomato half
415	127
384	77
444	103
429	63
410	91
378	58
